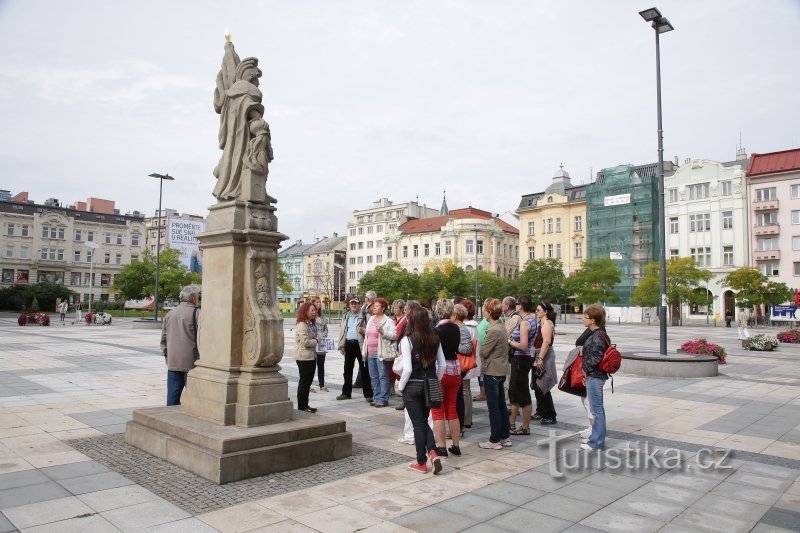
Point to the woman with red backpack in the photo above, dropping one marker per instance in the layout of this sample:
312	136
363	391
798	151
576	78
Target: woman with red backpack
594	318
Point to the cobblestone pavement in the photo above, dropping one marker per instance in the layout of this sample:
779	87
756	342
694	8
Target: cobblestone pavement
67	391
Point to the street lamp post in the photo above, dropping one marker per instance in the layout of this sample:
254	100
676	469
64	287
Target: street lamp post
340	279
660	25
476	267
92	246
161	179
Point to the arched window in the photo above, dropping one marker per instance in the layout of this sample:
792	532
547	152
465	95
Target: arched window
549	199
468	268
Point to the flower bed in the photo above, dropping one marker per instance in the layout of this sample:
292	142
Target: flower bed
703	347
760	342
43	319
791	336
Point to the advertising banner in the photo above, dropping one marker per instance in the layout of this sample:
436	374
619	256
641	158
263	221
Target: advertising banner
182	237
620	199
786	313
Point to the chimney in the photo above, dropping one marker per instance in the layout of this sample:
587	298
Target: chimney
299	242
676	161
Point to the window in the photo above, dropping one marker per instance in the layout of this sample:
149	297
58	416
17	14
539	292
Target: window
531	228
579	223
531	252
726	188
359	274
700	222
405	251
416	250
468	247
23	252
352	232
549	250
549	225
119	238
426	250
392	226
766	219
361	245
797	269
9	250
673	225
134	240
45	231
90	236
24	230
379	228
795	217
10	230
673	253
369	244
447	248
796	242
389	252
763	195
369	229
379	258
727	220
369	259
558	249
77	234
769	269
505	250
351	275
352	246
107	258
437	249
108	238
766	245
480	247
796	191
118	259
727	255
77	257
673	195
701	256
698	191
578	249
379	244
558	224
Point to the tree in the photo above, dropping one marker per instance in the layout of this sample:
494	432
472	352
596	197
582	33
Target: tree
442	280
543	279
595	281
283	280
39	295
683	277
390	281
753	289
137	280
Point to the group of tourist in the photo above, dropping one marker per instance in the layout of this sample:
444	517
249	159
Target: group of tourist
513	344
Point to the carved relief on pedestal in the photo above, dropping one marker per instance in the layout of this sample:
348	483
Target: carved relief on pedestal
263	326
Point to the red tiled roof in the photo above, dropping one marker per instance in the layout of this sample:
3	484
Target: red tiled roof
425	225
774	162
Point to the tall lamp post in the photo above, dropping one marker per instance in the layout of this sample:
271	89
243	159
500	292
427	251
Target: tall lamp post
92	247
340	279
161	179
476	267
660	25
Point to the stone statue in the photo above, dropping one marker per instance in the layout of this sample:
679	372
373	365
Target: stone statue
244	136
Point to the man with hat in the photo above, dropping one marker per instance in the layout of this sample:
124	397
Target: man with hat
351	345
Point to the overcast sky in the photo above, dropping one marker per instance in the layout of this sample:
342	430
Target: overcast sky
376	98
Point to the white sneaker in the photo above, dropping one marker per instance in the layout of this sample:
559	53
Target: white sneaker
506	442
403	440
584	441
587	447
585	433
489	445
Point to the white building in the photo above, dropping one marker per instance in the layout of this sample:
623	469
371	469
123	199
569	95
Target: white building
366	232
707	220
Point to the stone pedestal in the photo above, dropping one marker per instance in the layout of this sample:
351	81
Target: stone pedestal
236	419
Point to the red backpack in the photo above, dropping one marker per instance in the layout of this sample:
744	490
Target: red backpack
612	359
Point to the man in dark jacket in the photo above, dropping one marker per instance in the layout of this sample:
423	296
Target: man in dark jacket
179	342
351	345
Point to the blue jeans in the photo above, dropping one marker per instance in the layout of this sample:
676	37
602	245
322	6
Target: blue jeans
594	392
380	380
498	411
176	381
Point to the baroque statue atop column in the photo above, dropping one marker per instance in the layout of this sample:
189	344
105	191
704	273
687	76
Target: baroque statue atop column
244	135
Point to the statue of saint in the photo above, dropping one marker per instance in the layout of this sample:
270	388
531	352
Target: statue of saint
244	136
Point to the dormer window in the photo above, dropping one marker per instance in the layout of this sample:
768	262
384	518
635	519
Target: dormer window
549	199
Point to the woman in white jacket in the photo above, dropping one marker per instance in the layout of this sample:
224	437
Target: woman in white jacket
379	346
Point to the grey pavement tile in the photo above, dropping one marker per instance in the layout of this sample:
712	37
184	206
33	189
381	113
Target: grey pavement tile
676	526
563	507
483	528
766	528
111	429
770	483
616	521
769	470
39	492
189	525
434	519
711	521
539	480
522	519
35	514
689	480
580	528
21	479
747	493
782	518
82	468
5	525
607	479
510	493
105	500
144	515
94	482
723	506
591	493
93	523
474	507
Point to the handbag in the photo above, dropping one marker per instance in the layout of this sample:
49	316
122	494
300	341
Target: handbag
390	352
468	361
397	365
576	377
565	384
433	392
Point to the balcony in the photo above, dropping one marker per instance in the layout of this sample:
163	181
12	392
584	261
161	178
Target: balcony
763	231
765	205
768	255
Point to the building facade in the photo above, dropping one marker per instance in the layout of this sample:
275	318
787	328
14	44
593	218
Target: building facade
552	224
366	232
292	261
707	220
773	188
82	246
470	238
324	269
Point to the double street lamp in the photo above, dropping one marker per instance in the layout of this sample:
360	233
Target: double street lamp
92	247
660	25
161	178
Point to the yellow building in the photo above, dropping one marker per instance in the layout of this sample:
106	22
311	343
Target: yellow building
553	224
470	238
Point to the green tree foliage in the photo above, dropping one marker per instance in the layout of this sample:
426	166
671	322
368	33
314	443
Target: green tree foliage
441	280
594	282
753	289
25	296
390	282
137	280
283	280
683	278
543	279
